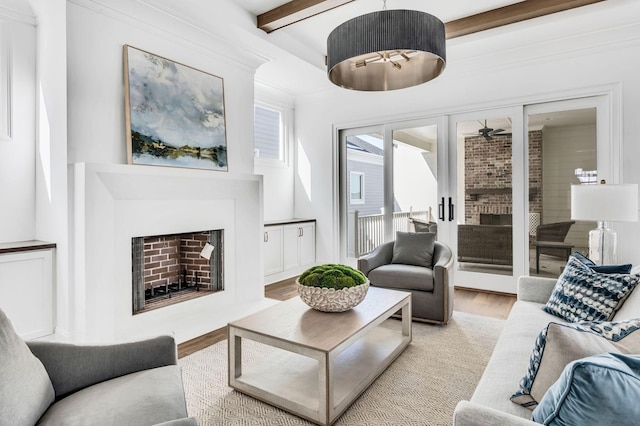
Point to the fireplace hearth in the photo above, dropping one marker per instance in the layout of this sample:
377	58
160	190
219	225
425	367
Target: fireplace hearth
168	269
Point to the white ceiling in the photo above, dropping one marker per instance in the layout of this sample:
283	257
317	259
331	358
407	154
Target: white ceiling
307	40
294	56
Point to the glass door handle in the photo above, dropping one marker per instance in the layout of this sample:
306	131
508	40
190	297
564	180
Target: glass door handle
441	210
450	209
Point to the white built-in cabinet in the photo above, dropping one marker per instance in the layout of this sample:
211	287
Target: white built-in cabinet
26	287
289	248
273	243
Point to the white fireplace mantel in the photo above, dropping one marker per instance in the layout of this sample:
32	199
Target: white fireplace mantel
114	203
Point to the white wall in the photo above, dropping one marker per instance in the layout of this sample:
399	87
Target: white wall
96	33
51	218
95	39
17	165
547	60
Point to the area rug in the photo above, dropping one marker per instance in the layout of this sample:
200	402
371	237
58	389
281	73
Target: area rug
441	366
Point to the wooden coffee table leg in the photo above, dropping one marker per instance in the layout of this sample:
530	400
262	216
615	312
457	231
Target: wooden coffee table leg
235	354
325	381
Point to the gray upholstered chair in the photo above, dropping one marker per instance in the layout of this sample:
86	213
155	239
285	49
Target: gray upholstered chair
415	262
48	383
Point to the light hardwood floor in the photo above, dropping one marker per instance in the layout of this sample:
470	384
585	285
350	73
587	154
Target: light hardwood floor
464	300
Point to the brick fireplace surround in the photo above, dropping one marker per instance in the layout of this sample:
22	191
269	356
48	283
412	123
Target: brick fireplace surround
488	176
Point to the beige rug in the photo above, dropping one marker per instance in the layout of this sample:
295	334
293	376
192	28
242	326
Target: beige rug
442	366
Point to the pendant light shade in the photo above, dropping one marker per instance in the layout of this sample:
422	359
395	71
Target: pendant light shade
386	50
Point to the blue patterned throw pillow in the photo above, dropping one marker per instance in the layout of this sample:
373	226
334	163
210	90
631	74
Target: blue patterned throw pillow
559	344
582	294
605	269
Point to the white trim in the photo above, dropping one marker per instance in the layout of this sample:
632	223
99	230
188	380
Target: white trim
360	200
163	23
15	15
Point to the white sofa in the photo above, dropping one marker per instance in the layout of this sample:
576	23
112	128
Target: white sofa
490	403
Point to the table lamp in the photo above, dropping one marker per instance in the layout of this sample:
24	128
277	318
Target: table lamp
604	203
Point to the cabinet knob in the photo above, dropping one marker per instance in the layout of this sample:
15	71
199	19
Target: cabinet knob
266	237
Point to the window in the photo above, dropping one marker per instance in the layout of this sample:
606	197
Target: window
356	188
268	134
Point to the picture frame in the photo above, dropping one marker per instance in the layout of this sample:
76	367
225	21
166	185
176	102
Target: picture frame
175	114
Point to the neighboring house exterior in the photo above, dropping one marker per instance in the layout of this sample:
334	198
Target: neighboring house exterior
365	175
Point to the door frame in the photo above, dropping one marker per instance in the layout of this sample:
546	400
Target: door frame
483	280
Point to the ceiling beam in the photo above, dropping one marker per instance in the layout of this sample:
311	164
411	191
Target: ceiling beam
295	11
299	10
506	15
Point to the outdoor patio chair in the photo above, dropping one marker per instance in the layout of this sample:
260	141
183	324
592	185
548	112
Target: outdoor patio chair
553	232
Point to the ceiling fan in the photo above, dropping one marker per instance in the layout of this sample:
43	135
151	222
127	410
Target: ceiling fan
488	132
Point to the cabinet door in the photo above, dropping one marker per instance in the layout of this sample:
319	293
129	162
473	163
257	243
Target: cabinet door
291	256
307	243
26	292
273	249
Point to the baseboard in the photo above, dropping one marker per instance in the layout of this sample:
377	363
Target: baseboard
477	290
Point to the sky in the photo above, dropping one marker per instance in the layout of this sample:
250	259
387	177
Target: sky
175	103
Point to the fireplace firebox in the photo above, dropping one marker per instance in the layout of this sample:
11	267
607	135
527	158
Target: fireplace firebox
168	269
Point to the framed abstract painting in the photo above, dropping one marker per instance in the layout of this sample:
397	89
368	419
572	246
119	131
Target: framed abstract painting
174	113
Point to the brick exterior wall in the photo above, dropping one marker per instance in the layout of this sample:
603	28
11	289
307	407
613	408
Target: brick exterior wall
488	167
167	256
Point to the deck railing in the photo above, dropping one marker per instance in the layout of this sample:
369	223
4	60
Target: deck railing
368	231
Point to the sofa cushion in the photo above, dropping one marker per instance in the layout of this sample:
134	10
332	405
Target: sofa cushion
510	358
402	277
414	248
582	294
143	398
605	269
25	386
598	390
559	344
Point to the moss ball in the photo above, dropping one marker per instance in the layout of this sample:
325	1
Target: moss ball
332	276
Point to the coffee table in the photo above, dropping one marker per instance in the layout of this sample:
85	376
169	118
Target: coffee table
318	363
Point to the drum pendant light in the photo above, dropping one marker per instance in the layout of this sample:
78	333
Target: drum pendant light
386	50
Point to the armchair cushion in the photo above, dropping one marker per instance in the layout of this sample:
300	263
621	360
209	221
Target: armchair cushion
403	277
25	386
414	249
143	398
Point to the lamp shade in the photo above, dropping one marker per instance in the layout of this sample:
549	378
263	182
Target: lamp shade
616	203
386	50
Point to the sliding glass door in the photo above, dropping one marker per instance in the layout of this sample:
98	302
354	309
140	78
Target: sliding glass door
494	185
487	242
389	183
569	144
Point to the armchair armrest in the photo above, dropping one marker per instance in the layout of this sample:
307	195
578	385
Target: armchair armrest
471	414
381	255
535	289
74	367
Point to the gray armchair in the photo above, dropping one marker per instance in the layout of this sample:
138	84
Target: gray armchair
431	287
50	383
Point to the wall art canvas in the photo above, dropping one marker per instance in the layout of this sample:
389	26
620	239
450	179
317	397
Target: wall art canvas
175	114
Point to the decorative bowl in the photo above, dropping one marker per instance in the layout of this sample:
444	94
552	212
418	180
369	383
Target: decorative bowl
332	300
